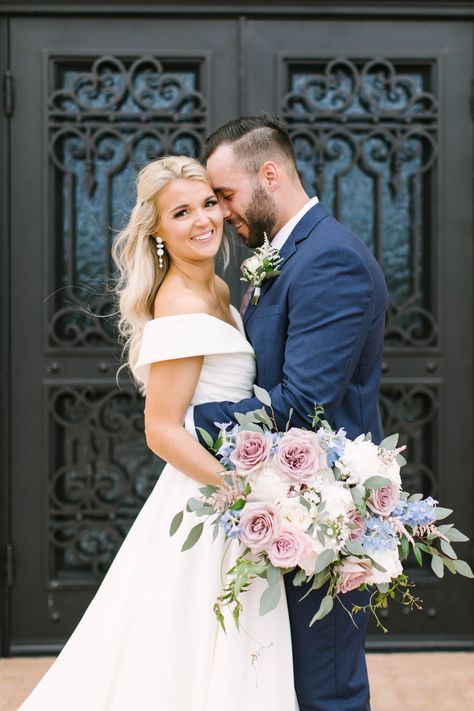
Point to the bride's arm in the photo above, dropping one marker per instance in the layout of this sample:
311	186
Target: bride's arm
170	388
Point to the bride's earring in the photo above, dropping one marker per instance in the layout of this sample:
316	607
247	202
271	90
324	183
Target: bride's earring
160	250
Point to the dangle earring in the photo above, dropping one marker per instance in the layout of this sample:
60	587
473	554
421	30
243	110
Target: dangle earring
160	250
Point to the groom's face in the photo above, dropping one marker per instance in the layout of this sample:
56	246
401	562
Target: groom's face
245	203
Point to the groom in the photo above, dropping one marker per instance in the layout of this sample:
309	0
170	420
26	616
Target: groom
317	332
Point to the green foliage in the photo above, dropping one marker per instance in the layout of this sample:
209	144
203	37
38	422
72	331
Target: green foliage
193	536
389	442
325	608
206	437
376	482
176	522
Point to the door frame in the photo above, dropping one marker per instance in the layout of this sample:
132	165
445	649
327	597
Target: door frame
350	9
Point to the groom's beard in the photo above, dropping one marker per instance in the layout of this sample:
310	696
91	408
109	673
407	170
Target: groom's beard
260	217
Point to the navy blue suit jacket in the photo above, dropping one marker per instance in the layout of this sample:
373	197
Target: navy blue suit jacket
317	332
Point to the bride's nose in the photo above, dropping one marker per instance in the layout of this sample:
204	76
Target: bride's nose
202	218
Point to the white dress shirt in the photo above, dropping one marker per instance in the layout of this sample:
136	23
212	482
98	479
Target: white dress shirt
278	241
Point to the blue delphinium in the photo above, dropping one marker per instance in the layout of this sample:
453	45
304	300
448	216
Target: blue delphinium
228	443
333	443
416	513
379	535
230	523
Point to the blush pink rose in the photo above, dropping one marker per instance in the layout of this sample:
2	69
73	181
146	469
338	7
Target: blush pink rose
357	524
353	571
260	524
384	500
252	449
299	455
290	546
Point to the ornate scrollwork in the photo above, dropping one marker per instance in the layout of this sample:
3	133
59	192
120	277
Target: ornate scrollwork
107	118
411	410
365	136
101	474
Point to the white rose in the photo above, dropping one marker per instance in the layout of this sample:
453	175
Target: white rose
360	461
267	484
392	472
251	263
337	500
388	560
308	563
295	513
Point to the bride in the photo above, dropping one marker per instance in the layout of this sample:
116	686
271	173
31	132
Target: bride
149	638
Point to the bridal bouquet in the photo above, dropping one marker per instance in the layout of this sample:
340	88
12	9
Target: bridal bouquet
316	501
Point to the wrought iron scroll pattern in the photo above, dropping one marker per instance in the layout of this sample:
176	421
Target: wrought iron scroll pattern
101	474
411	410
106	118
365	135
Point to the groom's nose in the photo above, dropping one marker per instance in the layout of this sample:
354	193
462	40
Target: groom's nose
224	207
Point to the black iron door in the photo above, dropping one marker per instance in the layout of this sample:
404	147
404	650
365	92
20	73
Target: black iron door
95	100
379	115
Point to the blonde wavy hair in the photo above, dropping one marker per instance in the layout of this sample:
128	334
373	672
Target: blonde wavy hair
134	250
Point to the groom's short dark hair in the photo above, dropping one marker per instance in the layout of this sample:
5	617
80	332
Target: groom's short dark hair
254	140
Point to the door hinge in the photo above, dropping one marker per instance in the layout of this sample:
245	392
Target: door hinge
9	564
472	99
8	93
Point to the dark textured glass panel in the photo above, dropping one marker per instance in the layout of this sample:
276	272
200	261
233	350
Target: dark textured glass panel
108	118
365	140
101	474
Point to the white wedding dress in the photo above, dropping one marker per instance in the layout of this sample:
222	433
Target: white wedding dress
149	639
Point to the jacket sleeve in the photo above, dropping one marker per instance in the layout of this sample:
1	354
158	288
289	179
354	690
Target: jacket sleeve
330	308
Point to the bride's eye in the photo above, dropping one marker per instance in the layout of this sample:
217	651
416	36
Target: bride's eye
179	213
212	202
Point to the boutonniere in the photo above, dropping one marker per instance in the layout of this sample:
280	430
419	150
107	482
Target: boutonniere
262	265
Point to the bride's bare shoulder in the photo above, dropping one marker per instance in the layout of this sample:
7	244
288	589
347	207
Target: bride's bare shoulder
175	299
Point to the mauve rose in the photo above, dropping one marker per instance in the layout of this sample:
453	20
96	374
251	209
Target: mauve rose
299	455
357	524
353	571
289	547
384	500
260	523
252	450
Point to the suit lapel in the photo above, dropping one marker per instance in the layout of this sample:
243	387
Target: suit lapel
301	230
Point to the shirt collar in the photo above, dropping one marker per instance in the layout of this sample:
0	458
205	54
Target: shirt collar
282	235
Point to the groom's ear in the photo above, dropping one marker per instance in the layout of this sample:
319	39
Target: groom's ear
269	173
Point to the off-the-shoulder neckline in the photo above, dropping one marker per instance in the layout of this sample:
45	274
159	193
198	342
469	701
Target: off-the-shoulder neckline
201	313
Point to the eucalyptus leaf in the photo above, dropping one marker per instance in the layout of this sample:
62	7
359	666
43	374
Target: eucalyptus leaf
325	608
273	575
324	559
448	549
215	532
441	513
357	496
456	536
418	555
176	522
437	566
262	395
304	502
463	568
414	498
376	482
193	536
299	578
383	587
404	545
400	460
270	598
208	490
449	564
209	442
289	419
390	442
355	548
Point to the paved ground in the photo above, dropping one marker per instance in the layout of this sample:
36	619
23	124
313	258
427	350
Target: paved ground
399	682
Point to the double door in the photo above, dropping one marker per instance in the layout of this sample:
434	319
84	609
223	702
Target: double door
379	115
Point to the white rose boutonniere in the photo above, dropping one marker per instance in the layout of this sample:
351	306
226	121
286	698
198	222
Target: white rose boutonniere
262	265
